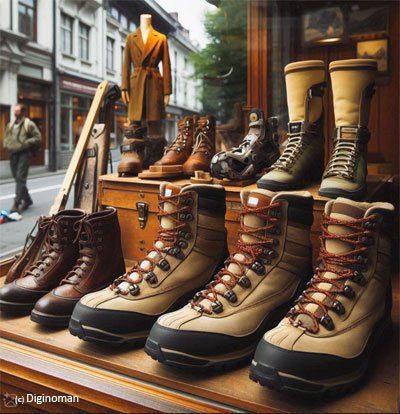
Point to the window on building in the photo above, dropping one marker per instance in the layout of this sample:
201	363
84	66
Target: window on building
110	54
124	21
132	26
66	33
113	12
27	17
84	30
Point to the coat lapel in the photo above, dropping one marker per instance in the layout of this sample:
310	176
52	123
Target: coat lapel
151	42
138	39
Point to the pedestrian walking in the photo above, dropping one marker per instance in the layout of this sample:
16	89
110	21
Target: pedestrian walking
22	139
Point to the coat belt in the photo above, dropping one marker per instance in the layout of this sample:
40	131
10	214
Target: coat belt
149	69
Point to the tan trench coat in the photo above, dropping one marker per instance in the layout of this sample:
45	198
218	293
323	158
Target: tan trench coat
145	84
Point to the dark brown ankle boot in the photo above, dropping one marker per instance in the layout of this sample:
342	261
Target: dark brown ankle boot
132	150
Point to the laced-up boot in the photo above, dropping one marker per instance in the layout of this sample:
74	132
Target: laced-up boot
327	338
303	158
32	250
258	150
132	150
203	148
100	260
223	323
60	254
181	147
353	87
190	246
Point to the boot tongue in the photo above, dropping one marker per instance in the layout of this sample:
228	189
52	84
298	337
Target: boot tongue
344	210
168	190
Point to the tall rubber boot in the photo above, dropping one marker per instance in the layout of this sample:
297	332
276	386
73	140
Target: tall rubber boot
303	158
353	87
324	344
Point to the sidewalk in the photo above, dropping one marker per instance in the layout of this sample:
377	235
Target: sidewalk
35	171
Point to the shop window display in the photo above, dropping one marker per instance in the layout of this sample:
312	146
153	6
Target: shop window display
247	262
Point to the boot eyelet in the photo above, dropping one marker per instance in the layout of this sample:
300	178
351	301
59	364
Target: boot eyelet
348	291
151	278
189	217
258	268
244	282
197	296
134	289
291	312
187	201
370	225
231	296
358	278
327	322
362	260
182	244
217	307
164	265
338	308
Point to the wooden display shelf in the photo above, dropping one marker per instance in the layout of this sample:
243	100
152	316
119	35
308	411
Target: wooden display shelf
52	362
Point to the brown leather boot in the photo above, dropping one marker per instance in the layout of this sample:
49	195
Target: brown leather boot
181	147
31	251
60	254
132	150
154	150
203	148
99	240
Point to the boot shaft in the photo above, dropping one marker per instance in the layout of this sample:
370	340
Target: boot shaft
353	83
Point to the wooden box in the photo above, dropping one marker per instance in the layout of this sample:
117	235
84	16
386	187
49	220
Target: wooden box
124	194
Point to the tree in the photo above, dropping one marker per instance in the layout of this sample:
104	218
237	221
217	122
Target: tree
225	54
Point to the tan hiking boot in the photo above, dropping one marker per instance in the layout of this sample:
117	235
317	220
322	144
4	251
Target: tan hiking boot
353	83
326	340
203	146
181	147
132	150
302	161
271	265
190	247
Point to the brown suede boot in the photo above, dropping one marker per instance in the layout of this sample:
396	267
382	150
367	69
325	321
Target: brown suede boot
203	147
189	248
181	147
60	254
99	240
132	150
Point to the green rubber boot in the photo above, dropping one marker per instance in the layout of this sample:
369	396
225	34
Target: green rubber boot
353	87
303	158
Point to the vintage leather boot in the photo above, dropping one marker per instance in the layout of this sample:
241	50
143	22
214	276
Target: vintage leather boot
189	248
153	151
100	260
258	150
353	87
271	265
31	251
181	147
203	147
132	150
324	343
60	254
303	158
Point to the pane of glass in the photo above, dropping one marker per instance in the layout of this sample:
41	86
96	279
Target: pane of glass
124	21
132	26
65	129
30	3
78	119
65	99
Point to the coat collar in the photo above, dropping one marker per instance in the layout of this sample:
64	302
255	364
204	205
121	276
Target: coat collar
150	43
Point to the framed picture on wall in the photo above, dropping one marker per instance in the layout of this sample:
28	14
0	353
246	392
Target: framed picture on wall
367	23
324	25
374	49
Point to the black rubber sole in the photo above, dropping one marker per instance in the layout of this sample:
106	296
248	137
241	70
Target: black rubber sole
358	195
16	309
277	185
52	321
270	377
180	360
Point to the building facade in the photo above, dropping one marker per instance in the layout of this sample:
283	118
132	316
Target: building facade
57	83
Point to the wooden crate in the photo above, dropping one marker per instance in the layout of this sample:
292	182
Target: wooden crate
123	193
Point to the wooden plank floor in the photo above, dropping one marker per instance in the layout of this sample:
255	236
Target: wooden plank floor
378	393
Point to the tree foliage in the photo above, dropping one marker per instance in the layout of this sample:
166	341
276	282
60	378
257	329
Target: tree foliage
226	30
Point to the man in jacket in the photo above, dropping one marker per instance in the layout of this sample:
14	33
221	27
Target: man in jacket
22	138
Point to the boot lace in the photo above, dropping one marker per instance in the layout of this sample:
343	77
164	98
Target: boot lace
256	254
343	160
55	239
89	240
203	143
179	143
173	240
346	266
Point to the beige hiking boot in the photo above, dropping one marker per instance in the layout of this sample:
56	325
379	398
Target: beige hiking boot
327	338
270	266
190	247
353	83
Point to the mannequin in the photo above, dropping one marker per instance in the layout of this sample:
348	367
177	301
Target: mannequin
145	26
